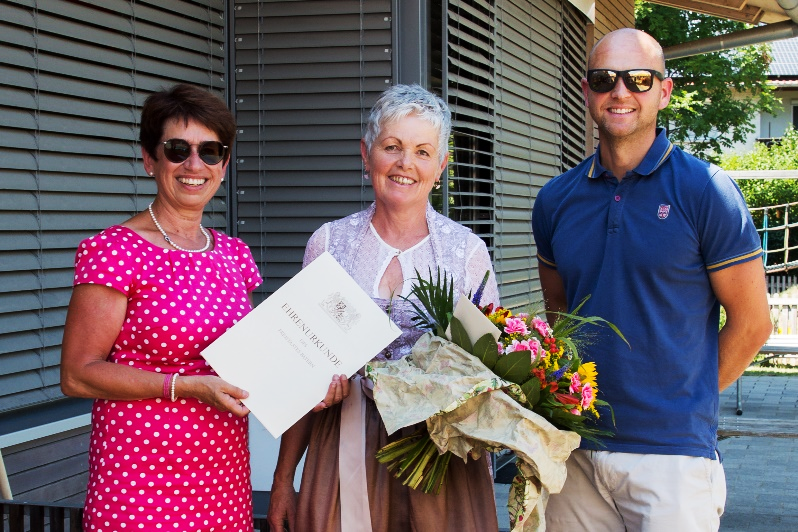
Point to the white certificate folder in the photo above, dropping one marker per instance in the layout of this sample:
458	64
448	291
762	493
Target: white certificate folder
285	352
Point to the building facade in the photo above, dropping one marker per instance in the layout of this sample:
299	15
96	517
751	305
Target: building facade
300	77
783	77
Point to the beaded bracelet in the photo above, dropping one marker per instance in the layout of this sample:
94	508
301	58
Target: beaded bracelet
166	380
172	395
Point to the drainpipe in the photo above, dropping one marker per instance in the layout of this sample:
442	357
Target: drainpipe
757	35
790	7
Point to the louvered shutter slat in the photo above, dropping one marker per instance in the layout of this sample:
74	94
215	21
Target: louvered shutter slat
75	75
306	74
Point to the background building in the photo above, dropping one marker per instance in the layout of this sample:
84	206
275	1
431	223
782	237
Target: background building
783	76
300	77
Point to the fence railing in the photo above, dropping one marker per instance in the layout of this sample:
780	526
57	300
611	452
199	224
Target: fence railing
24	517
52	517
781	283
781	254
774	225
784	314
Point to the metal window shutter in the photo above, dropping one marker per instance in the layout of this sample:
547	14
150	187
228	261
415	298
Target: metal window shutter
74	76
528	135
574	64
307	72
469	87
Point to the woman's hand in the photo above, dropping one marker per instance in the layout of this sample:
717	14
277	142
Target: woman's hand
293	443
213	391
337	392
282	507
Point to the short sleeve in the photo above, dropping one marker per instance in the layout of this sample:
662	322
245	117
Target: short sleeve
249	270
106	259
477	264
728	235
317	244
541	231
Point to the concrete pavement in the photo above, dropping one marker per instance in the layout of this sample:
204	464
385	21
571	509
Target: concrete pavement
761	472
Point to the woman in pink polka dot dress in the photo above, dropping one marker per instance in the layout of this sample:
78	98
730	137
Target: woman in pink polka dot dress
168	447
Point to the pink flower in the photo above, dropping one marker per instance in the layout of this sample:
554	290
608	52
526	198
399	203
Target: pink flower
535	347
576	412
576	383
530	344
515	325
541	327
587	395
515	345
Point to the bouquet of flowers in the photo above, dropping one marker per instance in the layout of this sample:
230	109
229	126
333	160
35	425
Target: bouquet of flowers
484	379
557	384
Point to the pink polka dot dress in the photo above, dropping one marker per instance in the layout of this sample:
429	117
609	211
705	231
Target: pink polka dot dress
154	464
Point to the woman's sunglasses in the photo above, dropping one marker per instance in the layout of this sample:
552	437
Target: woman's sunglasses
637	80
210	152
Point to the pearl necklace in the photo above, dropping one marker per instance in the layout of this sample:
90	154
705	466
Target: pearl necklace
169	240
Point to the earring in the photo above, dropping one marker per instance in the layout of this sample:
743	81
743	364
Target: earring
438	184
152	174
366	175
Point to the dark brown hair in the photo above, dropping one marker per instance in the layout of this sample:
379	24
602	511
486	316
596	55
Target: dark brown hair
184	102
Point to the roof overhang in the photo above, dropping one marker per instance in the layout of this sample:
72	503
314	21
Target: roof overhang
773	20
783	84
750	11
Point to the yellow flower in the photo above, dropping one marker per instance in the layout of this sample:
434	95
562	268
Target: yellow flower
588	373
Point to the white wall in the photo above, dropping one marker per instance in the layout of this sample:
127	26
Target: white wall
774	126
263	449
769	126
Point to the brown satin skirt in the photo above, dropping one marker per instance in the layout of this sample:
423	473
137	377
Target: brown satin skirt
464	504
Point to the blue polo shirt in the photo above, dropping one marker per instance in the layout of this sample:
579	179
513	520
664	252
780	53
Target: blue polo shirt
643	248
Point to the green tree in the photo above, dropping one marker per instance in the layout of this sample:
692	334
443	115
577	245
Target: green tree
716	96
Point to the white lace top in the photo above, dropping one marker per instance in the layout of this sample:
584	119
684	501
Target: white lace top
357	246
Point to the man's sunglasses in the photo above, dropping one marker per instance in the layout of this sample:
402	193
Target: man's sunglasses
637	80
210	152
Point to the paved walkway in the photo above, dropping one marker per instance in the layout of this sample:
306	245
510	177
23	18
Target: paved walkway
761	479
761	473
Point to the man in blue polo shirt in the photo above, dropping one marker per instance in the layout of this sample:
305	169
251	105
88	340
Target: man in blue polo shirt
659	240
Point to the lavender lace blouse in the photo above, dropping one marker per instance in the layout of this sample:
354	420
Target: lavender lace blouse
357	246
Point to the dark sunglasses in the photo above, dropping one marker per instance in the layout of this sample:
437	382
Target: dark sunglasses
637	80
210	152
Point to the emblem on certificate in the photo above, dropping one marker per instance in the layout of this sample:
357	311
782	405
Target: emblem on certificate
338	308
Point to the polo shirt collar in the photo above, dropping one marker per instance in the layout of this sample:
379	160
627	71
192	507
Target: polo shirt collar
657	154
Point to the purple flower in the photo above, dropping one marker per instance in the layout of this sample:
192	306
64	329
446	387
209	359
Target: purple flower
557	375
478	294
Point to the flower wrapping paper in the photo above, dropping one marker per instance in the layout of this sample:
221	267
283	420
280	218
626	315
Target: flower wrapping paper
469	410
